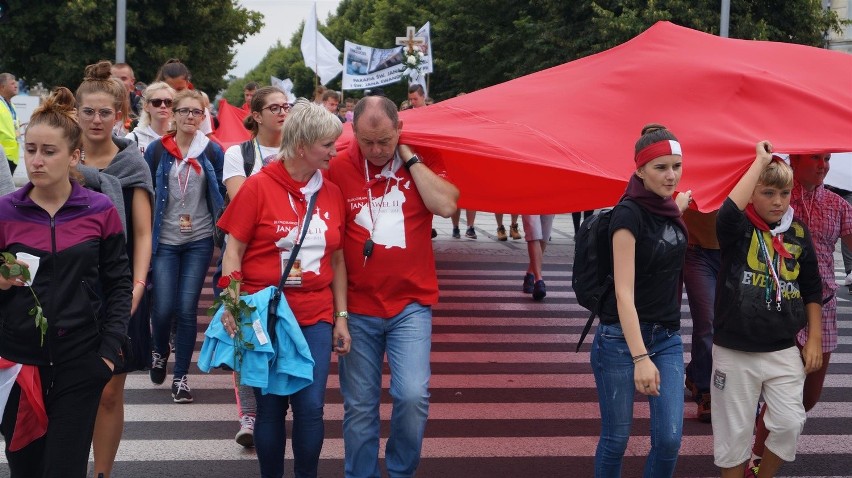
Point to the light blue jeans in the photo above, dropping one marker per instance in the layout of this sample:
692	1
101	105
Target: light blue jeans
613	369
407	340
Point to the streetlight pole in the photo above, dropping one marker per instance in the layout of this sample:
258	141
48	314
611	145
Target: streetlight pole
725	18
120	30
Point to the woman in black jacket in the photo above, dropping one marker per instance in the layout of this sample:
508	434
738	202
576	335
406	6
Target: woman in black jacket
75	237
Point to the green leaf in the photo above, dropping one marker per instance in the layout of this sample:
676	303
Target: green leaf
8	258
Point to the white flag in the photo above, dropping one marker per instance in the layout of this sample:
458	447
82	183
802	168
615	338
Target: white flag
319	53
285	85
426	32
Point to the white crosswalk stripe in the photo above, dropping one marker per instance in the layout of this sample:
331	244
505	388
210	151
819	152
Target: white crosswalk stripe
510	397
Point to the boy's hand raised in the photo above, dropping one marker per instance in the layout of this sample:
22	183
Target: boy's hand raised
764	152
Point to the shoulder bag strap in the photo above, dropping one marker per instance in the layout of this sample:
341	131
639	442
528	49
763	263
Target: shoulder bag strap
272	312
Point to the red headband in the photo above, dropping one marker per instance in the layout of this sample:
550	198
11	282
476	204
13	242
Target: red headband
655	150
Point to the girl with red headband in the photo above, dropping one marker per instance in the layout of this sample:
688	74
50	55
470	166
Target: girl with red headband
637	346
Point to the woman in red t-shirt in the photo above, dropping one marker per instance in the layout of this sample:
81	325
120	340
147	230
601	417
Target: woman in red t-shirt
264	221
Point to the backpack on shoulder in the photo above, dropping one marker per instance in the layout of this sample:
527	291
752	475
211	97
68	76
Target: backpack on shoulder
592	276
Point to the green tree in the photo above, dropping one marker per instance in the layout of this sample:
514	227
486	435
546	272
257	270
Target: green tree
482	43
52	42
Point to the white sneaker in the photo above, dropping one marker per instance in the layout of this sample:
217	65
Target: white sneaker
848	280
245	437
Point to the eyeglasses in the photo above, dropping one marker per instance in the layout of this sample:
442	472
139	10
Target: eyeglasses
157	102
188	111
89	113
277	109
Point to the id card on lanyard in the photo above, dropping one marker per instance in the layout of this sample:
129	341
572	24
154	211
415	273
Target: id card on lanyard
184	219
294	278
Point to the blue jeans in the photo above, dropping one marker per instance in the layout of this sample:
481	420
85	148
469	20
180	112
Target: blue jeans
700	270
270	434
178	273
613	369
407	339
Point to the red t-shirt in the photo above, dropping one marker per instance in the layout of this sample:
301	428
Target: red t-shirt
267	214
401	269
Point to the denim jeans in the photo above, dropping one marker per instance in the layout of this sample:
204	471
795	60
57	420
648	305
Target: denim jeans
270	434
613	369
407	340
178	273
700	270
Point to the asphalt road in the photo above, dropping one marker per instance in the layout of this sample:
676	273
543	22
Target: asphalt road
510	397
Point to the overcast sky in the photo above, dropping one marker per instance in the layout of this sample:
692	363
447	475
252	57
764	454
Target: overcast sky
281	19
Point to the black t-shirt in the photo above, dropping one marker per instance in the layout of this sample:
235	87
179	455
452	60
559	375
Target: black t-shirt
660	251
743	320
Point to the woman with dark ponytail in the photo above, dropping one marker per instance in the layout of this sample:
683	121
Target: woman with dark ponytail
115	167
269	109
71	239
637	346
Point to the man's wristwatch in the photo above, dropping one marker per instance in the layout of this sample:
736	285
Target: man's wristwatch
411	162
341	315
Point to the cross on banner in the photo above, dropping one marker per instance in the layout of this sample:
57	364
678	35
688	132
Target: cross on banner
409	41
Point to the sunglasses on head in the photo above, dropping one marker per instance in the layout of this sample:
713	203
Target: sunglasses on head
157	102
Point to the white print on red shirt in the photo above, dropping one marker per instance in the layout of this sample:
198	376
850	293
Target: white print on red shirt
389	229
314	246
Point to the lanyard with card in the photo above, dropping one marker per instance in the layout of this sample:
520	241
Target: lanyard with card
272	313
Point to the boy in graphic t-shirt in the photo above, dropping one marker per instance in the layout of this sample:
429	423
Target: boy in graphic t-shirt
769	288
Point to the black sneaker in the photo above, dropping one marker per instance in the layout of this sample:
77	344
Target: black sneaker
539	290
158	368
180	391
529	282
471	233
456	233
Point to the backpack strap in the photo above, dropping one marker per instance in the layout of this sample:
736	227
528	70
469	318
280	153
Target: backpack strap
157	151
609	283
247	150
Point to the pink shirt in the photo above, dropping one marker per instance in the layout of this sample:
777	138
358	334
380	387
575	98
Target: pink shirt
828	217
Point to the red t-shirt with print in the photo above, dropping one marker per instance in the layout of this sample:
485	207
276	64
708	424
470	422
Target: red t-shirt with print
401	268
267	214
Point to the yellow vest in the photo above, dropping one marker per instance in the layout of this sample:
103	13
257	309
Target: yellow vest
8	132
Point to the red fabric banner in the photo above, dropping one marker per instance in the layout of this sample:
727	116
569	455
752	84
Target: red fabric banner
561	139
231	130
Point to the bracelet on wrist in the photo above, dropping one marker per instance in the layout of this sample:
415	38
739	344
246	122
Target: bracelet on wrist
639	358
140	282
340	315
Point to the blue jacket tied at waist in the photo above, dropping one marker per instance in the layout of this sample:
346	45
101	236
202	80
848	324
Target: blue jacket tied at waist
282	368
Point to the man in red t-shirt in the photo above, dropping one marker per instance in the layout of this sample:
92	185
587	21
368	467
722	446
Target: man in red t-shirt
390	195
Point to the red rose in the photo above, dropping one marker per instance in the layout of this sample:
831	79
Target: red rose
237	276
223	282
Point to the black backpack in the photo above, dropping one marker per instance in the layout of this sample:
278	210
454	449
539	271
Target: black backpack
592	276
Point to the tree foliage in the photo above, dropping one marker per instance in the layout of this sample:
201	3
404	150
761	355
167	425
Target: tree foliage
52	41
477	44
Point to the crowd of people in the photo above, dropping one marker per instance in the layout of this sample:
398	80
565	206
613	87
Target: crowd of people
129	189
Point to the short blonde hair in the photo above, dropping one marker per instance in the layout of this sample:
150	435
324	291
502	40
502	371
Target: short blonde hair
306	124
777	174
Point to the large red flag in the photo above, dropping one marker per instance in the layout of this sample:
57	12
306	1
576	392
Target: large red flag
231	130
562	139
